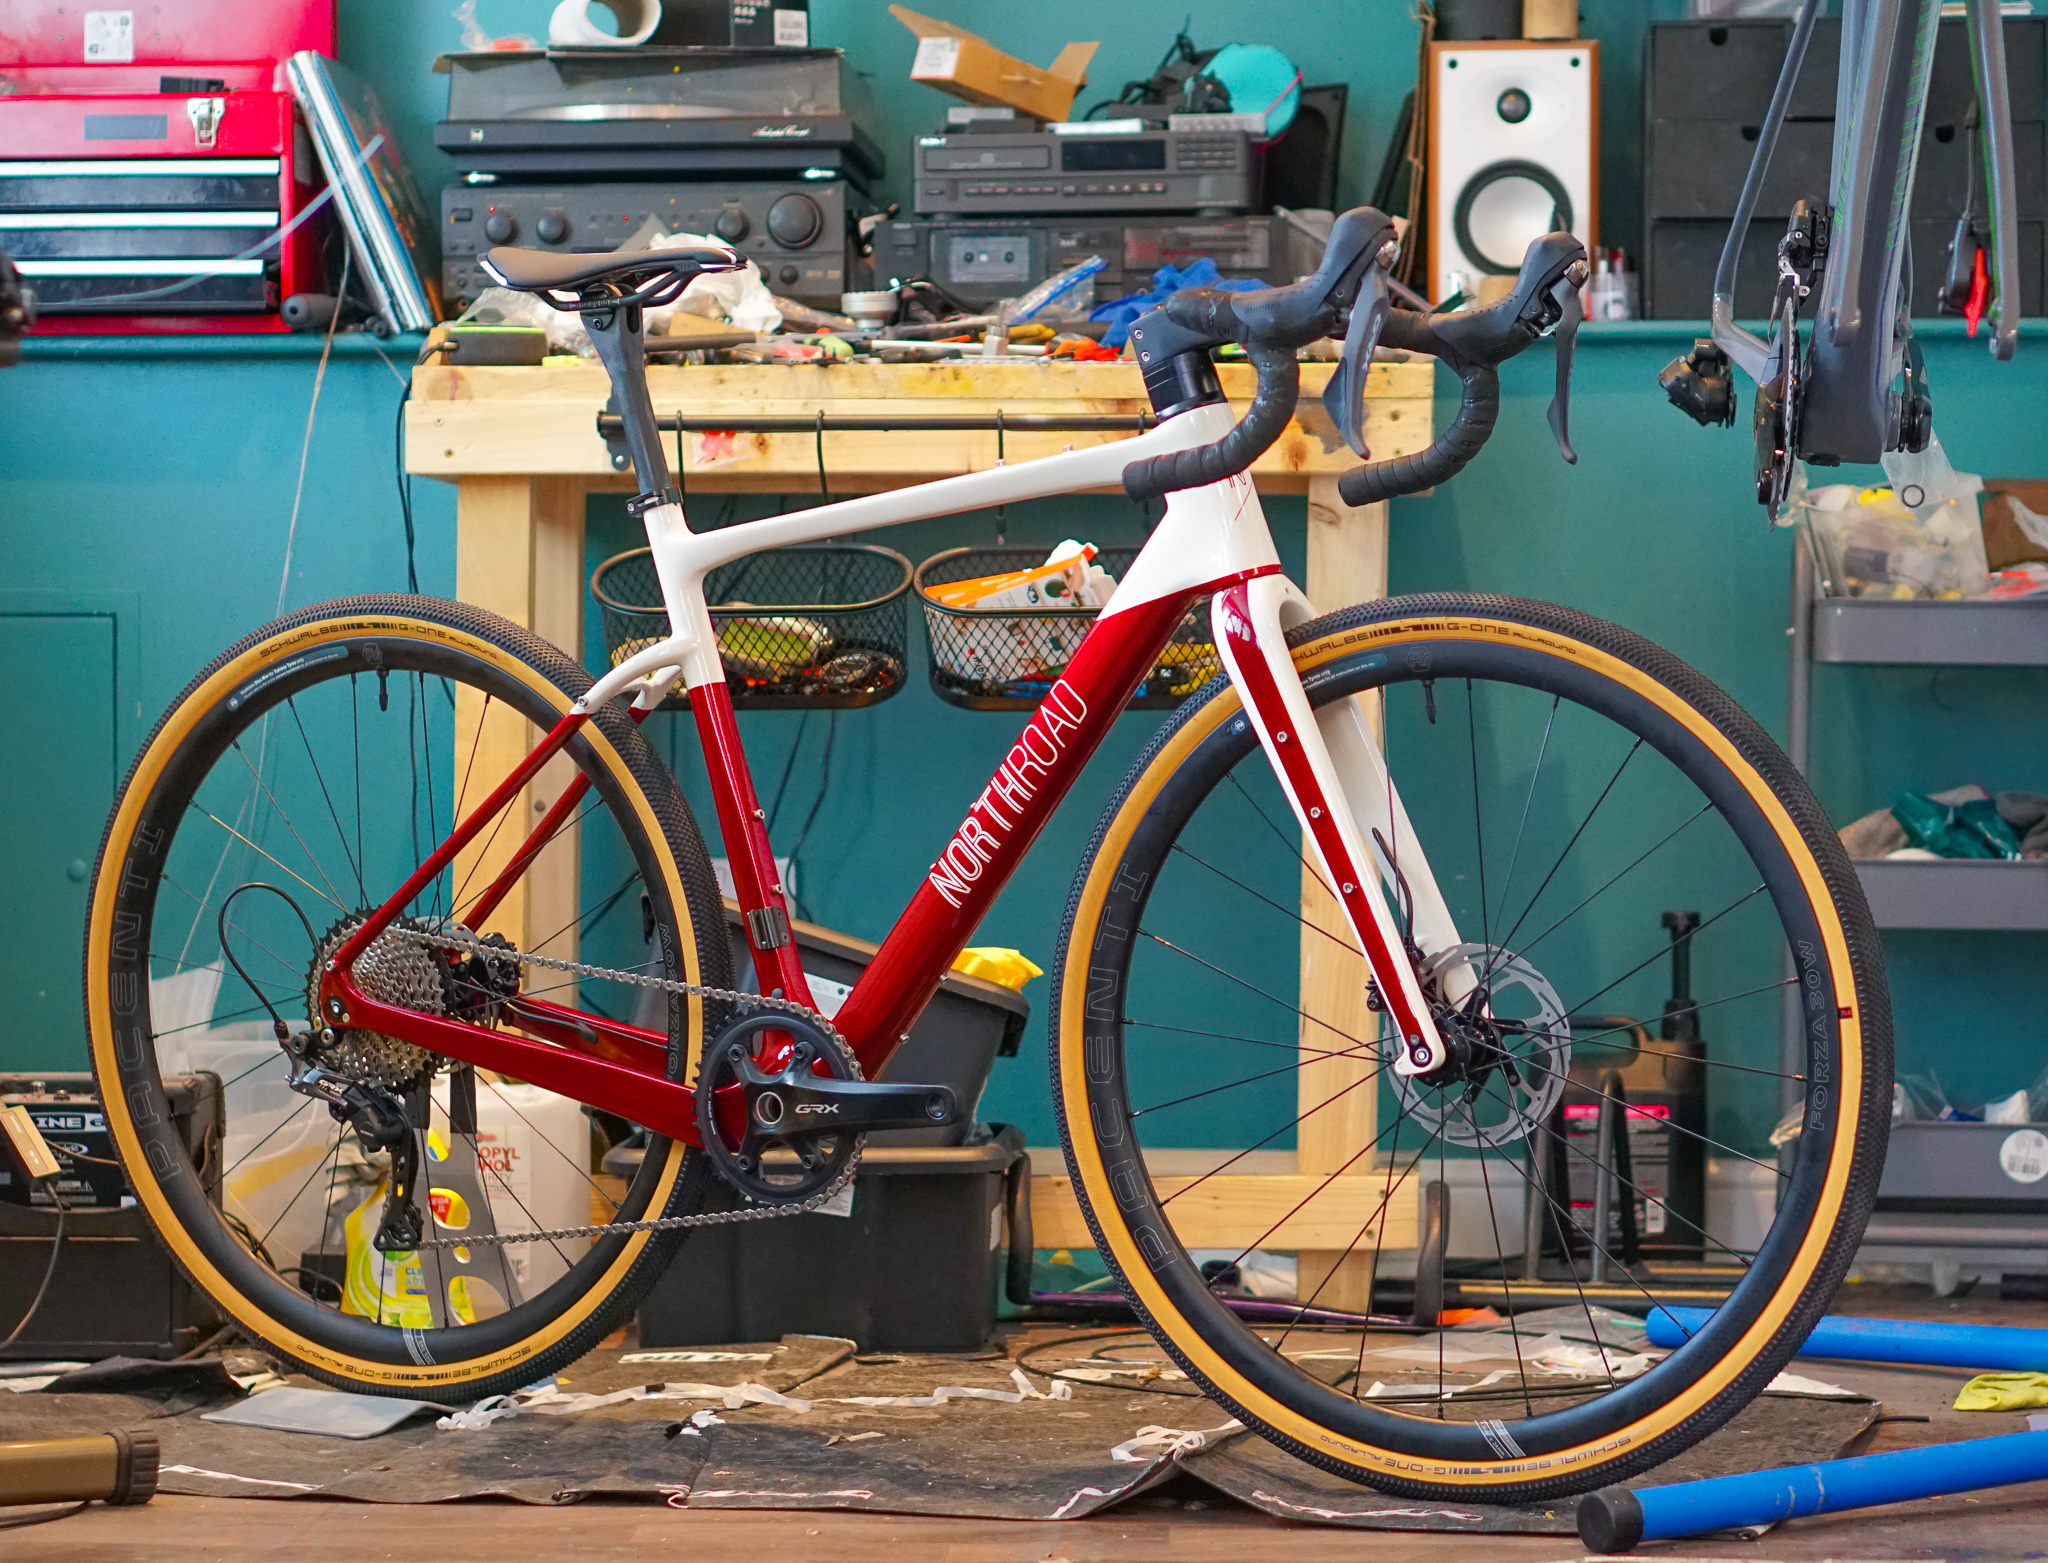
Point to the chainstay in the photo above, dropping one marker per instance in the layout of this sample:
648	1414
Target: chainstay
456	940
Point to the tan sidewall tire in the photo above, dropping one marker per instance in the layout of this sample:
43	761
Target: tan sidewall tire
116	1048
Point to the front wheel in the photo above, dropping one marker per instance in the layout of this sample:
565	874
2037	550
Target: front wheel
1571	784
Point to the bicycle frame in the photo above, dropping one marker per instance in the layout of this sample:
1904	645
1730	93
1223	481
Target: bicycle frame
1212	540
1851	404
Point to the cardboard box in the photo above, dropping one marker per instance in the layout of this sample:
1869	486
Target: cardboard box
734	24
2005	545
971	68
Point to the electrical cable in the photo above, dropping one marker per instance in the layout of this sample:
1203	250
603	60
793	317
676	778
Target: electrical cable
306	445
817	803
221	927
412	566
49	1271
36	1517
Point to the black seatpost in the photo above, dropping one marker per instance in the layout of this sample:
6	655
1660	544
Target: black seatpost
619	335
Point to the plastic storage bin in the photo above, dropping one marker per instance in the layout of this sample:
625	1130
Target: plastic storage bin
810	627
916	1266
1005	660
967	1026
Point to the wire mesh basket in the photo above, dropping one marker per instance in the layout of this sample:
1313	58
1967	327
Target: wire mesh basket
815	626
1006	659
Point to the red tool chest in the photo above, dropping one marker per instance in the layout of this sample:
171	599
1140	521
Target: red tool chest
149	158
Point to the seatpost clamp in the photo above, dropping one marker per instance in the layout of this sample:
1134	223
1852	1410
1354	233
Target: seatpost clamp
640	504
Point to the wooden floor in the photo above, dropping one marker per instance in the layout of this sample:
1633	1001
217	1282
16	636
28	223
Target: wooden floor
1183	1523
2011	1525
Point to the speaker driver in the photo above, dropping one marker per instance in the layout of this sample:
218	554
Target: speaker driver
1503	208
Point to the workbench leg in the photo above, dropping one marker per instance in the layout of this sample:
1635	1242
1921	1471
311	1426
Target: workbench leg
519	553
1347	563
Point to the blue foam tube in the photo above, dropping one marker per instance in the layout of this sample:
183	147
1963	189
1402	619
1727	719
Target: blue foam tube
1615	1520
1989	1348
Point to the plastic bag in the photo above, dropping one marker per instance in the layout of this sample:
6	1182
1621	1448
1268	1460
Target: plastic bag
739	297
1872	544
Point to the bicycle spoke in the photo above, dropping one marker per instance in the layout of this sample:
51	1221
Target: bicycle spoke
1231	1085
318	1167
1493	1225
1507	939
1568	916
1671	1124
320	779
289	826
1254	988
580	1170
1302	1204
228	1172
1739	901
1478	829
1344	941
301	878
1288	841
1260	1144
1528	804
1566	1225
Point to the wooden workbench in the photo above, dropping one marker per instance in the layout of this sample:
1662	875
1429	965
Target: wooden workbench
521	446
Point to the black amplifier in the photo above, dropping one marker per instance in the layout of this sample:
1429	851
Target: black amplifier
1085	170
797	232
981	262
115	1291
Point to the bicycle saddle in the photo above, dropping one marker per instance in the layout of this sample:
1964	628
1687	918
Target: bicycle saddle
548	271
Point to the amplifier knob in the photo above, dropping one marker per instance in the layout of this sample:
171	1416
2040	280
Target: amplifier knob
794	221
499	228
732	225
553	228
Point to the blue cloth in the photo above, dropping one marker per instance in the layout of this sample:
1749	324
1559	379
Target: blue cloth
1201	273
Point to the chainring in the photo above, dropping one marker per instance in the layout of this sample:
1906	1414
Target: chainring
743	1120
394	970
1516	1047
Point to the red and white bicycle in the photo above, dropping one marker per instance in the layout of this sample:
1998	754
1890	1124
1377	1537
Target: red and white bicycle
1547	764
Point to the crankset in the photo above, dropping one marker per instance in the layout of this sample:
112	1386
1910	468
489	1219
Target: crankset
1801	254
782	1131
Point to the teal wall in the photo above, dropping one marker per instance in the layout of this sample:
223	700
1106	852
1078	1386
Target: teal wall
161	481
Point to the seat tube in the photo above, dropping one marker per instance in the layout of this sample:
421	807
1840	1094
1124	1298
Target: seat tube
756	882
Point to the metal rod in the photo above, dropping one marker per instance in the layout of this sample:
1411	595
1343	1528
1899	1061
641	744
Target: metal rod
1533	1208
611	426
1603	1186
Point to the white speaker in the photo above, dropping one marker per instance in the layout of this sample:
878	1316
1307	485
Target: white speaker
1514	152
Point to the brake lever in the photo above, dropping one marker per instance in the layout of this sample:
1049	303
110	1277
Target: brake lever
1344	396
1566	296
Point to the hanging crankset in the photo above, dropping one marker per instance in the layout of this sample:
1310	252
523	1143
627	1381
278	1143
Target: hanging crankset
782	1108
1802	252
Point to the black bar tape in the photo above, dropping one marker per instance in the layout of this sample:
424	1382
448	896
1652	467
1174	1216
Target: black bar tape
1272	406
1442	461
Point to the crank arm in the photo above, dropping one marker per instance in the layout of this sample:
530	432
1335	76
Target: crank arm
798	1104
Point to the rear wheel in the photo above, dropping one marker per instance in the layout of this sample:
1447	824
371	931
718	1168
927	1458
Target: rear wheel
325	757
1570	783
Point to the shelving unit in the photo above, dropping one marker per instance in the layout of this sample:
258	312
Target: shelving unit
1975	896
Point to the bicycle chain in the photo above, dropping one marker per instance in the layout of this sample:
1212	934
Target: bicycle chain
456	940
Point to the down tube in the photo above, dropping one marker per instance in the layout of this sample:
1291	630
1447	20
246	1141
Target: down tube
1055	744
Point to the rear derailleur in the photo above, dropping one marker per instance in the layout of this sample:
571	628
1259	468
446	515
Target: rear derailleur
381	1123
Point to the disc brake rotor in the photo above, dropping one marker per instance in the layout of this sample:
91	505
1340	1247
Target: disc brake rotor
1511	1052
